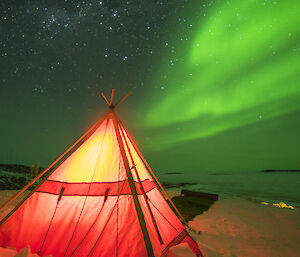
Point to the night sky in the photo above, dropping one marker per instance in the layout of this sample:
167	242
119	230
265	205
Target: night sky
215	83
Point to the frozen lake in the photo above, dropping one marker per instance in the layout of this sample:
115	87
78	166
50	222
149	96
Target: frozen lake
272	186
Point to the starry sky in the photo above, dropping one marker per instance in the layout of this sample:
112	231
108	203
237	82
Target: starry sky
215	83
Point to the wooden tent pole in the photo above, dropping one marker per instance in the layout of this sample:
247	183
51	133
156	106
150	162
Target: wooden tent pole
47	169
105	99
123	98
138	208
157	181
143	191
112	96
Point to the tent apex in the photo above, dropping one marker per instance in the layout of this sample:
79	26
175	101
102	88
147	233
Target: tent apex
110	103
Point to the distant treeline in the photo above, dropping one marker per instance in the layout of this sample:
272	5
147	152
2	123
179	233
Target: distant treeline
15	168
280	171
16	176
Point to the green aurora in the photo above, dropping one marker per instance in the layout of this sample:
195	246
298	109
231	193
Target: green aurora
214	82
241	68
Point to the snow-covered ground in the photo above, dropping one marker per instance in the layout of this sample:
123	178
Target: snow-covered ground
239	227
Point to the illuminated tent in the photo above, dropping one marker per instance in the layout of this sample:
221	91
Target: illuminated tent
101	200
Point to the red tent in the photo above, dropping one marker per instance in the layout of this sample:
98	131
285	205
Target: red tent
102	200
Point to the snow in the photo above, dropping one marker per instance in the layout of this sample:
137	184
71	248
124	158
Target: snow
239	227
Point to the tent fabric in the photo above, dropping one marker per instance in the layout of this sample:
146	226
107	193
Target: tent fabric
86	206
93	188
